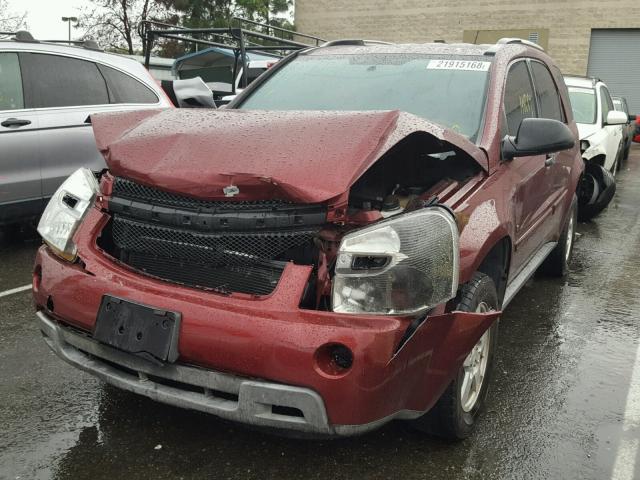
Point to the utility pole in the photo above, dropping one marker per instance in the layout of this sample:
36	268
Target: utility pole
69	20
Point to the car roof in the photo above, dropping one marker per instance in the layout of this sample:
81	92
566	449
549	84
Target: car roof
583	82
112	59
401	48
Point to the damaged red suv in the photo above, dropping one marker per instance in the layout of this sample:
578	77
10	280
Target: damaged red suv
329	253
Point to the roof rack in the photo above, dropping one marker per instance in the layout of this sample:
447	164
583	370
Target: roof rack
26	37
235	37
511	41
88	44
20	36
356	42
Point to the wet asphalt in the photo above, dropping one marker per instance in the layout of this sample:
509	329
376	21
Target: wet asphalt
564	400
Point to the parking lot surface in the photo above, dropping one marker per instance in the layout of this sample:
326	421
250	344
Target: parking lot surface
564	400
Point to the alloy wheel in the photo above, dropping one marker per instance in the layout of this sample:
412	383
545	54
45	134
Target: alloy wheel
475	367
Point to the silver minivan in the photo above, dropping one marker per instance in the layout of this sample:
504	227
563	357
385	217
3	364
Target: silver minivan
47	91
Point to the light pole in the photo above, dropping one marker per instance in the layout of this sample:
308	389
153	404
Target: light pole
69	20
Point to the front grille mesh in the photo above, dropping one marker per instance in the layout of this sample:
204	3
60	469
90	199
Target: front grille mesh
213	249
247	261
250	279
135	191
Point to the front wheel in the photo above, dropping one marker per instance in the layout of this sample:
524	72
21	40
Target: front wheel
597	188
455	413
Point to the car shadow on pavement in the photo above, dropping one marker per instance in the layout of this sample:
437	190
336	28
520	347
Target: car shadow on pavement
137	435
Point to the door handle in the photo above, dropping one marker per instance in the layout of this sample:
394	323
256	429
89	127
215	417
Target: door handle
15	122
550	160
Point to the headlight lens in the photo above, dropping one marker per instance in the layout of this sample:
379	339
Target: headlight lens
403	265
65	212
584	146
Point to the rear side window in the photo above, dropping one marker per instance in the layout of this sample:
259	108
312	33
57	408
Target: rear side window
57	81
125	89
518	97
11	97
546	92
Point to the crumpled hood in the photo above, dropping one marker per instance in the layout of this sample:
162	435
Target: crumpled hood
307	157
586	130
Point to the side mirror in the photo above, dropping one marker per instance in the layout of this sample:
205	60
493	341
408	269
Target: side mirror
614	117
537	136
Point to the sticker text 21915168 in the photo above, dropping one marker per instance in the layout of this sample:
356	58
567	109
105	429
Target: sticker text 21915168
459	65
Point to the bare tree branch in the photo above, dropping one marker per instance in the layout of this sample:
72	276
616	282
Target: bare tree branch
11	21
115	22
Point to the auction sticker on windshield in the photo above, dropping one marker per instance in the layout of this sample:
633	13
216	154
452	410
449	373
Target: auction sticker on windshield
458	65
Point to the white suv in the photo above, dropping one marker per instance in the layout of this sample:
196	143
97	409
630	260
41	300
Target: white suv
599	124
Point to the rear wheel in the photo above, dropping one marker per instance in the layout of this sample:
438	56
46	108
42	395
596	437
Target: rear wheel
455	413
557	263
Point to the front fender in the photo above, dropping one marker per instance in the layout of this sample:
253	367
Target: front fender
481	229
594	151
442	342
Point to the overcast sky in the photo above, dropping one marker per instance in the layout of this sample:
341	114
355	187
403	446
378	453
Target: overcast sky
44	16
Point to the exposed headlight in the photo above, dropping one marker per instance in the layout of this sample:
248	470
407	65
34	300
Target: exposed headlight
403	265
65	212
584	146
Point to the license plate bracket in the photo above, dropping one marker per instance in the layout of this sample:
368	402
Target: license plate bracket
139	329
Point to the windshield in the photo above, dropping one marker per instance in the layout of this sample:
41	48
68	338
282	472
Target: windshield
583	104
448	91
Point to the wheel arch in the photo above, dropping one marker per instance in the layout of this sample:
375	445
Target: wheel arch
495	264
489	254
599	159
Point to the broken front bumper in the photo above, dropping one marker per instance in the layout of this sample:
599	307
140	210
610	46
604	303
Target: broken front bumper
268	345
240	399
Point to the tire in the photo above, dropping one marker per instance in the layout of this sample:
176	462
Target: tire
450	418
557	263
592	200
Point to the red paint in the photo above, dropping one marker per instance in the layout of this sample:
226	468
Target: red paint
314	157
307	157
272	338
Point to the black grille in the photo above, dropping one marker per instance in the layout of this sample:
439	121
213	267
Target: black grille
213	249
251	279
134	191
248	258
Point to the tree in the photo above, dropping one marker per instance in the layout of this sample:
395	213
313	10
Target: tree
203	13
267	11
11	21
218	13
115	23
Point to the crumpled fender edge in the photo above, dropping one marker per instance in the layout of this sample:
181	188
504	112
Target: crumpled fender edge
441	343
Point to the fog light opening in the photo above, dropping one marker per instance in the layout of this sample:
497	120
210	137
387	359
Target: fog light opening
334	359
341	356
